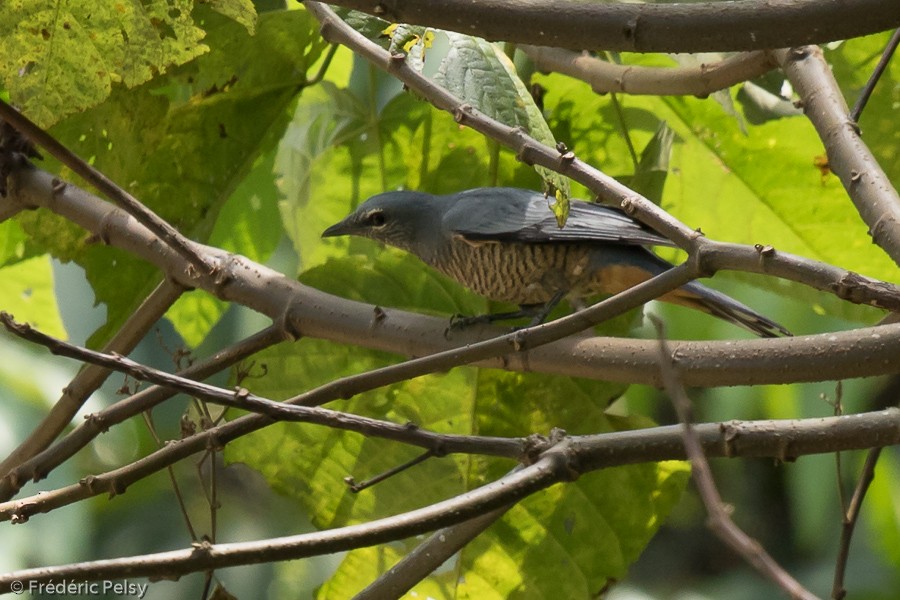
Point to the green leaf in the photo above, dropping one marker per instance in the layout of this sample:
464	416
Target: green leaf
547	541
770	192
312	176
182	144
59	58
240	11
369	26
649	178
478	73
28	294
570	541
13	242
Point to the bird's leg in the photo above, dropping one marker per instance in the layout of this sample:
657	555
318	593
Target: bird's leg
462	321
546	309
537	312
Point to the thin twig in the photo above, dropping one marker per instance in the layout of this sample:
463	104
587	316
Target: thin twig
179	497
37	467
76	393
783	440
719	520
273	411
849	520
360	486
553	466
866	92
163	230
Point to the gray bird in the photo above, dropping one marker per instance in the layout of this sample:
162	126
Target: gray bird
505	244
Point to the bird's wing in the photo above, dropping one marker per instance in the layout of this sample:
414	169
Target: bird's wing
516	215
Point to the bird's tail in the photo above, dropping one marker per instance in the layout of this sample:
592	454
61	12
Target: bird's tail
700	297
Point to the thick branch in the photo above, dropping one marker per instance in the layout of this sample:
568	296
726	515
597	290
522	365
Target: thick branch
605	77
562	461
685	27
782	440
306	311
849	158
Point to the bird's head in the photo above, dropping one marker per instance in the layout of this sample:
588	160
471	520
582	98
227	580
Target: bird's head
408	220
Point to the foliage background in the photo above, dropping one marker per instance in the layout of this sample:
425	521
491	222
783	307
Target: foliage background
216	131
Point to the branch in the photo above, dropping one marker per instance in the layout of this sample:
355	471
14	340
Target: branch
783	440
849	520
76	393
849	158
883	62
560	462
37	467
719	519
428	556
273	411
163	230
605	77
687	27
302	310
554	466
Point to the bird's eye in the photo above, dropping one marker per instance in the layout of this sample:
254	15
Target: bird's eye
375	218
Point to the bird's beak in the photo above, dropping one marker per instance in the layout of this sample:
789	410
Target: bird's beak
342	228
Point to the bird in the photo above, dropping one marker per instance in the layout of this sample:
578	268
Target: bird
505	244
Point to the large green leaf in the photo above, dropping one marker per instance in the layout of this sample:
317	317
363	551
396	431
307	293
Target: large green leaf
28	294
57	58
479	74
182	144
13	243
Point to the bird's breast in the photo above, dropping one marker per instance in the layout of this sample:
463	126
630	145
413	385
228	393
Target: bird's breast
527	273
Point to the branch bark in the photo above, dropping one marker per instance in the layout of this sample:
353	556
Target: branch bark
687	27
38	466
88	380
783	440
849	158
720	520
302	310
605	77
